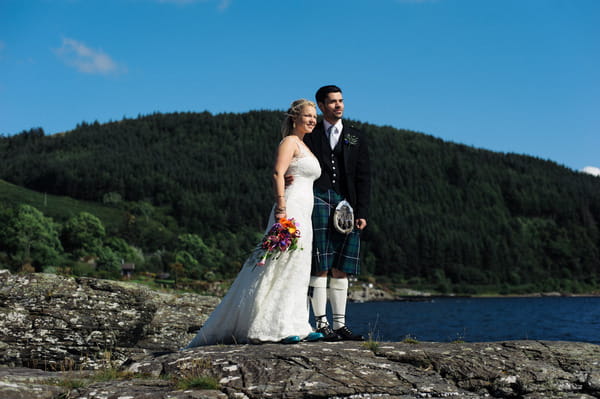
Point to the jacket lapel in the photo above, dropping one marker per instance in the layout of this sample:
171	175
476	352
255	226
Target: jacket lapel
347	150
321	139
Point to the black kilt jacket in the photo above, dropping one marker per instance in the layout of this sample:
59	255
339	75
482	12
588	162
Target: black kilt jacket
355	153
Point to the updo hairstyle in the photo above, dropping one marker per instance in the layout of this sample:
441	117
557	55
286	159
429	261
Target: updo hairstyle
288	124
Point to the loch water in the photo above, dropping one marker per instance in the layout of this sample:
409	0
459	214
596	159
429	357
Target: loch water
449	319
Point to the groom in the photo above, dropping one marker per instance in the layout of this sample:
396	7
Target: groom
343	155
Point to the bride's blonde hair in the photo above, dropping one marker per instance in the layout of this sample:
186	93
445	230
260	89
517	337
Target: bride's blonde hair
288	124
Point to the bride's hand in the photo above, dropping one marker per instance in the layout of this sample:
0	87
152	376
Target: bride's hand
280	211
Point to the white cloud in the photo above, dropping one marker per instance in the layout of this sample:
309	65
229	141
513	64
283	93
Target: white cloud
592	170
87	60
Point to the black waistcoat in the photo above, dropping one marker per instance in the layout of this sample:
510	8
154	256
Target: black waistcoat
332	167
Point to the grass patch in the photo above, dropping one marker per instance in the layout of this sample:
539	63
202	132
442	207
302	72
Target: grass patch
198	382
76	378
410	340
195	376
371	344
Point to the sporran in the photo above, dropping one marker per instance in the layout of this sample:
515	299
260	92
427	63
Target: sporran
343	217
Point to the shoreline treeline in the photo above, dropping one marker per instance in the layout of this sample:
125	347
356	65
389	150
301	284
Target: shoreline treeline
194	188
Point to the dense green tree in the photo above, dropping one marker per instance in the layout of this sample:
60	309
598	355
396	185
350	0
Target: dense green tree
196	256
108	264
122	249
188	265
83	235
30	237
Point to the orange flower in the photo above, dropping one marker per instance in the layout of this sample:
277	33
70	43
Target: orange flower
286	223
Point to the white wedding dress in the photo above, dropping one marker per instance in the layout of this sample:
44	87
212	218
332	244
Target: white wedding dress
269	303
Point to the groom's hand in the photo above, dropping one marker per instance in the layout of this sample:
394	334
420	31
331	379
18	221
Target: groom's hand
361	223
289	179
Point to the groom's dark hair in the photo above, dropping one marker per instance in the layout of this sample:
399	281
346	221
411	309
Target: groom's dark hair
324	91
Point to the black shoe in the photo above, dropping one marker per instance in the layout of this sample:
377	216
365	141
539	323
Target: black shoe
328	334
347	335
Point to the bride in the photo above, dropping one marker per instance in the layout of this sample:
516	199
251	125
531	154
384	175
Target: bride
268	303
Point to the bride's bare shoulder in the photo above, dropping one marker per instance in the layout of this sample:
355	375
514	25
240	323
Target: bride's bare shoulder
290	139
293	143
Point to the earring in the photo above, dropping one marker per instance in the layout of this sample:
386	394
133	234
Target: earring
293	125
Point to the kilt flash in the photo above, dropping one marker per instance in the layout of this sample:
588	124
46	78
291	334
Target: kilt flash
332	249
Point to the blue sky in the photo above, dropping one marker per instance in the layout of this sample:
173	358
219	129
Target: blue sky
517	76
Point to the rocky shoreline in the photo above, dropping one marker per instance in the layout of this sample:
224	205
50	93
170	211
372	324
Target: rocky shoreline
63	337
515	369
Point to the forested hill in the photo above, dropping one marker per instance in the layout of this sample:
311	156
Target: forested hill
443	214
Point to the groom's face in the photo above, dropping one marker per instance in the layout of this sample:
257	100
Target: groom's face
333	107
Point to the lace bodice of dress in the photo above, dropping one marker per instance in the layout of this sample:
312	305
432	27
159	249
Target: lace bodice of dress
305	169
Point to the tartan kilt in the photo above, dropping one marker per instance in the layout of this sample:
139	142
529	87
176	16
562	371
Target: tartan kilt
332	249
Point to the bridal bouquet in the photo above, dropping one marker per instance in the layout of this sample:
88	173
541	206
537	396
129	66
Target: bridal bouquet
282	236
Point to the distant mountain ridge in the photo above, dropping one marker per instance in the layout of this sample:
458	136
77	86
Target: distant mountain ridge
444	215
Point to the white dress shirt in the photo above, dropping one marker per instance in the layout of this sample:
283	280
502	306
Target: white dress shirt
336	132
